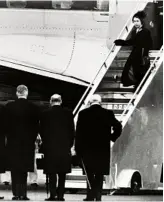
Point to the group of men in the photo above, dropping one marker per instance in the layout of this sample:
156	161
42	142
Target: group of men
22	121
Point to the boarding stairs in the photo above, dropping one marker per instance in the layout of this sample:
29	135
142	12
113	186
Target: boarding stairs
122	100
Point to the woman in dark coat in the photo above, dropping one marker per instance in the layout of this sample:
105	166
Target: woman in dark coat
141	42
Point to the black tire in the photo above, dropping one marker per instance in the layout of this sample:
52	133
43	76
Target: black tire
135	183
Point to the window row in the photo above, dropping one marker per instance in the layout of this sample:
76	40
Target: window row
99	5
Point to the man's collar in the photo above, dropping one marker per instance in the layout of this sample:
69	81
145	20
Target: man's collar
22	97
95	103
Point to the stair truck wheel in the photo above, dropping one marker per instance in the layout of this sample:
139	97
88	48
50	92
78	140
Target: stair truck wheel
135	182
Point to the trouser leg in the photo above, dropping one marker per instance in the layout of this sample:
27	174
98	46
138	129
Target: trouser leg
98	186
90	190
19	183
61	185
23	184
15	177
52	184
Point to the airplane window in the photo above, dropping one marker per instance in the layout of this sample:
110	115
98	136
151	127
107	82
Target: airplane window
39	4
103	5
62	4
84	5
16	4
99	5
3	4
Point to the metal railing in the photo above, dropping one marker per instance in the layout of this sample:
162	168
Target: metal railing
123	34
133	103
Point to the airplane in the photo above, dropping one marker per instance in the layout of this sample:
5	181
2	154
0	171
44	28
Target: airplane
56	46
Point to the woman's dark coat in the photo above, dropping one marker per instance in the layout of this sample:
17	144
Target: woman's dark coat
2	143
22	126
141	43
57	133
93	136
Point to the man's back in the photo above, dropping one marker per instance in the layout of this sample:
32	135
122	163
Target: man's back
94	128
57	133
92	144
56	124
22	127
22	117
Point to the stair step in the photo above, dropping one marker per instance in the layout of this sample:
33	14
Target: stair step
111	73
118	90
124	54
115	111
116	95
76	177
117	108
115	100
109	84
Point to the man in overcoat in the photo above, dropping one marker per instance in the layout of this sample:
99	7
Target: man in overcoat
92	144
57	133
22	126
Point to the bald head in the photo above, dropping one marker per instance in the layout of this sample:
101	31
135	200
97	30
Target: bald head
95	99
22	91
55	99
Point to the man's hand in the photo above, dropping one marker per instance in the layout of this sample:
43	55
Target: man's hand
73	152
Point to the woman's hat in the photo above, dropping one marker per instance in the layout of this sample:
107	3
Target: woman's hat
140	14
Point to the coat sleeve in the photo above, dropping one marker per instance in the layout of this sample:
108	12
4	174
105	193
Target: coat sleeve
71	129
79	135
147	43
116	127
128	42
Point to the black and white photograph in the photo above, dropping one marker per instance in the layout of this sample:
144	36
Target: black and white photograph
81	100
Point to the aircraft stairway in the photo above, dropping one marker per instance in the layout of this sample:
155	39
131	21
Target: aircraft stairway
114	95
122	100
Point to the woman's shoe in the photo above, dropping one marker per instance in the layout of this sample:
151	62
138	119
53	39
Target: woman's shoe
116	78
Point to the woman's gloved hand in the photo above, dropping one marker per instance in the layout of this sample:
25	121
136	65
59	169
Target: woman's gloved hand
118	42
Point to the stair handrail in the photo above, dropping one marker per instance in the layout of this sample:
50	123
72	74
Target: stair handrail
112	49
132	100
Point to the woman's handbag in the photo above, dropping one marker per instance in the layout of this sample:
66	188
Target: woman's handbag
146	61
131	75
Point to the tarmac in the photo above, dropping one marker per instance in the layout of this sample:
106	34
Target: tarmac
39	194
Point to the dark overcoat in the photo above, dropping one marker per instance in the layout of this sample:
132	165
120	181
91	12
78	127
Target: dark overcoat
57	133
2	143
93	136
141	43
22	127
